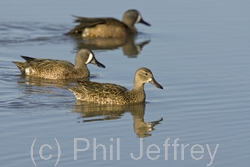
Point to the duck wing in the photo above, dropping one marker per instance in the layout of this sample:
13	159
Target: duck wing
48	66
104	89
85	22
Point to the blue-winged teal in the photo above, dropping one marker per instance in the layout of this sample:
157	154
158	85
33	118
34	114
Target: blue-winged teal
107	93
108	27
58	69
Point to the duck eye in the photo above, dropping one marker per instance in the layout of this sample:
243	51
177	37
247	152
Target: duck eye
146	74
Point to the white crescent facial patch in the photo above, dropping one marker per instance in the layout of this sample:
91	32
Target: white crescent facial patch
90	58
138	18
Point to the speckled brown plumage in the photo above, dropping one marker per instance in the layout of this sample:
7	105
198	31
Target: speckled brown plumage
108	93
58	69
108	27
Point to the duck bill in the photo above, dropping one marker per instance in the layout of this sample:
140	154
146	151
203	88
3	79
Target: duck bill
155	83
94	61
144	22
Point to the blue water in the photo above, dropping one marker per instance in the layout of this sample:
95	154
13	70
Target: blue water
197	50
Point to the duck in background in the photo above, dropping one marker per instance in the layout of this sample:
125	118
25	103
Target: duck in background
108	27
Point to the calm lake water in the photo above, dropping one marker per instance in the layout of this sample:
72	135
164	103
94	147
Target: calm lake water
197	50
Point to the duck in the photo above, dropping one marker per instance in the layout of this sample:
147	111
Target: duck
59	69
107	27
109	93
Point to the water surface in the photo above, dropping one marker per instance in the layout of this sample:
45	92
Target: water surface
198	51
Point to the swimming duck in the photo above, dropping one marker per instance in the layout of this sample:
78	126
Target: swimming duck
108	93
59	69
108	27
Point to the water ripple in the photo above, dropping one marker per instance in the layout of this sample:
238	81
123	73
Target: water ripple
30	32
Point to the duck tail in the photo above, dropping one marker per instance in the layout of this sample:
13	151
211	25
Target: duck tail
21	66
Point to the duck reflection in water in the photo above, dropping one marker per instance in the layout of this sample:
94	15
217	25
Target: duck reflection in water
59	83
128	45
31	85
89	112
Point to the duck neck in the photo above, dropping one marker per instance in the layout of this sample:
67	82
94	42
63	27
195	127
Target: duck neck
138	92
138	86
83	70
133	29
130	25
